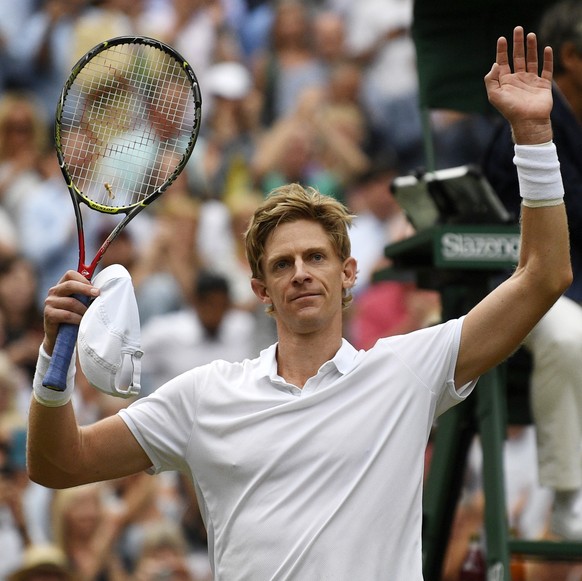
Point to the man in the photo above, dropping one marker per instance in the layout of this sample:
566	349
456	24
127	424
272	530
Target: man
308	461
209	328
555	343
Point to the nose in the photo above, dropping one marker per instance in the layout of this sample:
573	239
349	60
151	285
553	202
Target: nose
301	273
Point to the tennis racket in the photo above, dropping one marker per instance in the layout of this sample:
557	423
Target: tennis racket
126	124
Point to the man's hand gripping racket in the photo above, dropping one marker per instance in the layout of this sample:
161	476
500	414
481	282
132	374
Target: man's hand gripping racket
126	124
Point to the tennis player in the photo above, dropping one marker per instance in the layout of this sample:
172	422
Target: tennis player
308	460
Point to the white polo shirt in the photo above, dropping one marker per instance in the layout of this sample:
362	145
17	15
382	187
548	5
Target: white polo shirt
323	482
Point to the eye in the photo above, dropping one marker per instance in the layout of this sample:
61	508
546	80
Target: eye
317	257
280	264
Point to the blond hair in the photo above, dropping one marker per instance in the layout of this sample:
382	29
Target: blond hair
21	101
288	204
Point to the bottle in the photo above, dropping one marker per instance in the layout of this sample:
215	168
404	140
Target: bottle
474	567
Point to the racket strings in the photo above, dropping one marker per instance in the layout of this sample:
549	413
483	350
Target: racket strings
127	120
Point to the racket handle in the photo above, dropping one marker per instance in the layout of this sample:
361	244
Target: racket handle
56	375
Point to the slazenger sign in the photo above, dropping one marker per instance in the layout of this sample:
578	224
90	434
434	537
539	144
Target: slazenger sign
484	247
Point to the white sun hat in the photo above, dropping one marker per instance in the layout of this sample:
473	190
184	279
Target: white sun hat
109	338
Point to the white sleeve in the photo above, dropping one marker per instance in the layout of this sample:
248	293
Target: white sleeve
162	422
431	354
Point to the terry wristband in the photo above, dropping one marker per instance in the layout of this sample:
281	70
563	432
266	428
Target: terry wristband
538	171
50	397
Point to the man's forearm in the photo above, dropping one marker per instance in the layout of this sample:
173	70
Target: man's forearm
53	445
545	246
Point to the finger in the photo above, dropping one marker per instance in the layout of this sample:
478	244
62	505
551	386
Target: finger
548	64
532	53
502	58
73	283
492	78
54	317
519	64
73	275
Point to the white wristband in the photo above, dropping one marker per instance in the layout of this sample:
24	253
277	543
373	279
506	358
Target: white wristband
538	171
50	397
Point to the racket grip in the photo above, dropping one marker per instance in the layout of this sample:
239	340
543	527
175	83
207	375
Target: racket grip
56	375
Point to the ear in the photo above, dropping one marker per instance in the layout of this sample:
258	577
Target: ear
349	273
260	290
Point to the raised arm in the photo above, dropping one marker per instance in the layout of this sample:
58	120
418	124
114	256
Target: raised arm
61	453
498	324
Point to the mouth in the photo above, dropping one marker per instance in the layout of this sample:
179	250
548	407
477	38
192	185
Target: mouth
304	296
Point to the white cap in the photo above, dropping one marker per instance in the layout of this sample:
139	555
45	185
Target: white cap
230	80
109	338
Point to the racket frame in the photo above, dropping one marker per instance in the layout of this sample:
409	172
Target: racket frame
77	195
56	376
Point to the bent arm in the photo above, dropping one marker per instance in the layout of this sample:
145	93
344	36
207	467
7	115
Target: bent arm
60	453
496	327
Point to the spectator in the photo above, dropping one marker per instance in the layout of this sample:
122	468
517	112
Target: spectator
235	268
43	562
86	533
388	307
378	36
290	64
43	47
191	27
254	26
47	230
165	554
13	15
233	265
316	145
163	270
329	30
23	140
14	530
88	525
208	329
12	411
220	163
20	313
103	20
379	219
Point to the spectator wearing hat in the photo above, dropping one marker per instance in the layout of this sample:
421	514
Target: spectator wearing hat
220	163
43	562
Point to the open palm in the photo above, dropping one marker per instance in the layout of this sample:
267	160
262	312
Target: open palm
521	95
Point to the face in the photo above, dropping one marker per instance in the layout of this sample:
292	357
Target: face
17	287
304	279
84	514
212	308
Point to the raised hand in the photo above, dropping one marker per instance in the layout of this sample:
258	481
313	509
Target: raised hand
523	96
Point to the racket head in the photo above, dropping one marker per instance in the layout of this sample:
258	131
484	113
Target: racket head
126	123
125	126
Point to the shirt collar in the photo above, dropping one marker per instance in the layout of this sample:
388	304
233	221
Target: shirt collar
344	360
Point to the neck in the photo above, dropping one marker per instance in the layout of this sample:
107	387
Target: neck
299	357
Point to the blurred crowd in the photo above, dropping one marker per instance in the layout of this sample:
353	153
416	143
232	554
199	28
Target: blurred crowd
321	92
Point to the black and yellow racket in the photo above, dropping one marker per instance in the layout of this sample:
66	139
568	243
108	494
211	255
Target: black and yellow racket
126	124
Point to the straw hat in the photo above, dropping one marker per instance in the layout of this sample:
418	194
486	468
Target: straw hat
42	559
